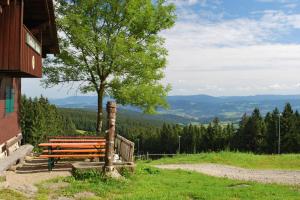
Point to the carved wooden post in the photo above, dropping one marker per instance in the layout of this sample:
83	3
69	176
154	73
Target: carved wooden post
110	136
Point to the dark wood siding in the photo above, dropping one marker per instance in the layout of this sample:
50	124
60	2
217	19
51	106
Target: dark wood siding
9	123
16	56
10	37
28	54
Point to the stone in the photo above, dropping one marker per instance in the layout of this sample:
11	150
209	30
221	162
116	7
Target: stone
4	185
29	158
64	198
114	174
82	166
28	189
85	195
15	157
56	186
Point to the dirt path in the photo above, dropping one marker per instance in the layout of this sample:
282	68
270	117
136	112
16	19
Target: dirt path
264	176
32	172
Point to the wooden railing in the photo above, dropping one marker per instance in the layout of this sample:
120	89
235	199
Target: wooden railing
124	148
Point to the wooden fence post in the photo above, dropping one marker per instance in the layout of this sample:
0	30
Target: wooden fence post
110	136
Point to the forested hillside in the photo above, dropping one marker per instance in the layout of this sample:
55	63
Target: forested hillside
200	108
127	121
255	132
85	119
39	119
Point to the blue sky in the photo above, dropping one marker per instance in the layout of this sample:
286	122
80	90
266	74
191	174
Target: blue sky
226	47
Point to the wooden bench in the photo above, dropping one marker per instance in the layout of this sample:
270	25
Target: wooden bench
72	148
76	137
75	140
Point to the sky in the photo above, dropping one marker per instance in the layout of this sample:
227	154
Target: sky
225	48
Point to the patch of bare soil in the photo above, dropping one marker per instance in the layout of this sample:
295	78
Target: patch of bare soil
32	172
84	195
263	176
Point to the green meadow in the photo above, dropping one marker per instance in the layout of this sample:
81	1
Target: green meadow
245	160
150	183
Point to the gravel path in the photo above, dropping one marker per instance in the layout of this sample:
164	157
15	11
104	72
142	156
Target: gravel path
25	178
264	176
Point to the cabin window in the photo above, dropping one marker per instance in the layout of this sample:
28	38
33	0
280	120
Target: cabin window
9	100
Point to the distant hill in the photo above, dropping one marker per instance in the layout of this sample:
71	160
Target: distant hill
197	108
85	119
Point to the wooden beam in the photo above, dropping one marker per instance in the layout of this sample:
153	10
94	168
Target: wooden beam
4	2
38	29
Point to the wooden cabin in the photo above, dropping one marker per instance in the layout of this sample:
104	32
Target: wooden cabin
27	34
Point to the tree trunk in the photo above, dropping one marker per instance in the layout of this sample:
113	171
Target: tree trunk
100	112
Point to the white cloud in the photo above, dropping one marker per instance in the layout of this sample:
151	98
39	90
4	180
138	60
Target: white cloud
291	5
241	31
272	1
185	3
243	70
234	57
240	56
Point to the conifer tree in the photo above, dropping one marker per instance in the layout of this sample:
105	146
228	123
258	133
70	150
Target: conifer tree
287	126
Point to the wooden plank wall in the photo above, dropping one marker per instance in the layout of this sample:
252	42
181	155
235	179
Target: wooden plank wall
10	38
28	54
9	123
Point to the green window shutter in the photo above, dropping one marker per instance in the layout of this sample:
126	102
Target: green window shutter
12	100
7	99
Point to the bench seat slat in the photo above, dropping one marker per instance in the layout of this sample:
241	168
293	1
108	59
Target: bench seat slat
76	137
73	156
80	147
75	151
76	140
73	145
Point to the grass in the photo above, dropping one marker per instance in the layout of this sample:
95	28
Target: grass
10	194
245	160
150	183
2	179
82	132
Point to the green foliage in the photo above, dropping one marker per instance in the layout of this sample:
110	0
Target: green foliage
272	122
10	194
254	134
39	119
87	174
151	183
2	179
149	170
125	172
113	47
128	123
260	135
83	119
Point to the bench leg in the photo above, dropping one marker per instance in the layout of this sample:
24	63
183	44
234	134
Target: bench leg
49	164
50	160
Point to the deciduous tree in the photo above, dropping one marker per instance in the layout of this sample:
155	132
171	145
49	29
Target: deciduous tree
113	47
